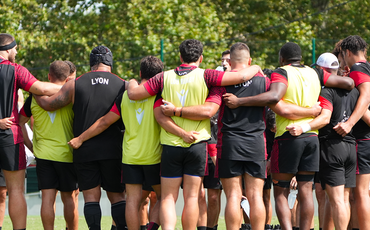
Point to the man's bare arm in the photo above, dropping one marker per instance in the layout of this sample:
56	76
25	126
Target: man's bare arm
22	123
335	81
232	78
362	105
62	98
295	112
98	127
197	112
366	117
44	88
271	97
317	123
136	91
170	126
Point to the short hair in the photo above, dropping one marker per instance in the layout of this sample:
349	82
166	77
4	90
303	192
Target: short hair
59	70
291	51
268	72
354	43
72	67
235	49
6	39
337	48
225	53
191	50
270	119
150	66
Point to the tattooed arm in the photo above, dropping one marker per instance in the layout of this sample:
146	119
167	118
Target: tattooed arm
60	99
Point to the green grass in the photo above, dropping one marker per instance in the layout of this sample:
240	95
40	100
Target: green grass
34	223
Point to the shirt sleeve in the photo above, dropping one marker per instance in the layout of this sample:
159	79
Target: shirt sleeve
279	75
215	95
323	75
359	74
24	78
213	77
326	99
26	109
158	101
155	84
116	108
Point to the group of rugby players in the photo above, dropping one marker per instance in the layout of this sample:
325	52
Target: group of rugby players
167	128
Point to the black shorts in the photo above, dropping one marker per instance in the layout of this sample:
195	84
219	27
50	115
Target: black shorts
2	179
363	156
232	168
56	175
210	181
106	173
316	178
13	157
177	161
268	183
292	155
147	175
337	163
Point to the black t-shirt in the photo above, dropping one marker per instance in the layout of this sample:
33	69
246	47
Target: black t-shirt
241	130
342	103
360	73
95	94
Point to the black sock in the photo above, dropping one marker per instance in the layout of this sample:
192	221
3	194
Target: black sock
209	228
215	227
142	227
118	214
355	229
92	214
113	227
201	228
153	226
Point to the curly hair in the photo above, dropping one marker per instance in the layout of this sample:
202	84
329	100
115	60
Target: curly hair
191	50
354	43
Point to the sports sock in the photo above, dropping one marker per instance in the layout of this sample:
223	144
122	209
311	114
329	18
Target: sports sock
118	214
92	214
201	228
153	226
142	227
215	227
113	227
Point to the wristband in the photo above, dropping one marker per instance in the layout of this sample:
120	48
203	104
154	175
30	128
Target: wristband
305	128
174	111
181	111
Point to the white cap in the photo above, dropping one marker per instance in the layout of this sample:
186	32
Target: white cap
328	60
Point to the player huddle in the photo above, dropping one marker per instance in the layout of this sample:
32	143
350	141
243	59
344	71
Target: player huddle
128	137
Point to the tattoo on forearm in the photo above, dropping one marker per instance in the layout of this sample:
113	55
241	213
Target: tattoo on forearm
59	102
244	78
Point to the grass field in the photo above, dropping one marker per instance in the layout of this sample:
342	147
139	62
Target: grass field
34	223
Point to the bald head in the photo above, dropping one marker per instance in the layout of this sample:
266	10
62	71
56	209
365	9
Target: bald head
239	53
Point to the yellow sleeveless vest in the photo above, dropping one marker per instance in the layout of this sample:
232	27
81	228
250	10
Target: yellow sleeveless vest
51	132
182	91
303	90
141	140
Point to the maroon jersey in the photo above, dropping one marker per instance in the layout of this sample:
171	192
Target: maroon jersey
12	77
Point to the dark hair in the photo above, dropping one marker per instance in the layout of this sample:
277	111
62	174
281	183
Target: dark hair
225	53
191	50
6	39
354	43
239	46
268	72
59	70
291	52
337	48
150	66
270	119
72	67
